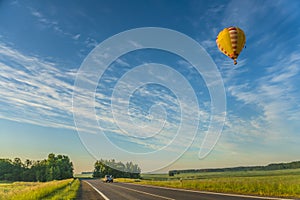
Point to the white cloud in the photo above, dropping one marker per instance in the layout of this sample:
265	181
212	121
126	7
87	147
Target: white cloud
207	44
76	37
40	93
48	23
275	96
34	89
91	42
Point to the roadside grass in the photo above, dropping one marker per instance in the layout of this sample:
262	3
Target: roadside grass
68	192
281	186
206	175
279	183
64	189
126	180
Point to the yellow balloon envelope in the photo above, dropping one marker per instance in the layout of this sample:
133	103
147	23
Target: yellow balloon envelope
231	42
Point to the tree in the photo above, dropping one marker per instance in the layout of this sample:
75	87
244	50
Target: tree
98	171
171	173
17	170
53	168
117	169
6	167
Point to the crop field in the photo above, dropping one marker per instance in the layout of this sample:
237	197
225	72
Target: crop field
64	189
278	183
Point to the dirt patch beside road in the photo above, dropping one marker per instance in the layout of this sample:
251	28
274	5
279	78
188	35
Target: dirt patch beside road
86	192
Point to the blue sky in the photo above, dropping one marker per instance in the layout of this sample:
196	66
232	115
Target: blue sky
43	45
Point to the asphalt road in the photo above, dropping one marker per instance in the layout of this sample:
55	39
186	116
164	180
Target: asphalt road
116	191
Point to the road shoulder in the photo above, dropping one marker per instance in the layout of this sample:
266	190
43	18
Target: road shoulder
87	192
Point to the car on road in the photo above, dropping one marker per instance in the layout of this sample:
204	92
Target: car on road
108	179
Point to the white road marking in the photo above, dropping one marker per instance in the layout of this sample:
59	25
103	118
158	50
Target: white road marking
215	193
105	197
155	195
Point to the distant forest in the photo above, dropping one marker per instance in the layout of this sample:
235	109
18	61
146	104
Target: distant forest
277	166
53	168
116	169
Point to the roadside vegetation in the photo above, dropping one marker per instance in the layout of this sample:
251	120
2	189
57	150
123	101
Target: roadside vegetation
278	183
116	169
53	168
51	178
63	189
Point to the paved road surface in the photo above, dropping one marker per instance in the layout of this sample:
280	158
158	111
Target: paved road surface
117	191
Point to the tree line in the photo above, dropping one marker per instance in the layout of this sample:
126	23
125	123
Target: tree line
116	169
53	168
273	166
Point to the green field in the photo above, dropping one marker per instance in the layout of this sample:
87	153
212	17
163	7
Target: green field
64	189
90	175
277	183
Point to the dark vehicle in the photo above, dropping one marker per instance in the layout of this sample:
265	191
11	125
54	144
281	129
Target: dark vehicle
108	179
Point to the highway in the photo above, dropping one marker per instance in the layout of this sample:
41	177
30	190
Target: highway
116	191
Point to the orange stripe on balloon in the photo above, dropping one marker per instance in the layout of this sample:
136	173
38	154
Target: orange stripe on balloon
231	28
233	34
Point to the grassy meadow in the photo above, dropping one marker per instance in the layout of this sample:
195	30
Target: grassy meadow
53	190
277	183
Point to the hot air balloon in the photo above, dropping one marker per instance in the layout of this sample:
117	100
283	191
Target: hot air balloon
231	42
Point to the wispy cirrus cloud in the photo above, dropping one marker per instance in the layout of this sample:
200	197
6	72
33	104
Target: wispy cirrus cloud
276	98
264	81
140	105
34	90
39	92
46	22
59	27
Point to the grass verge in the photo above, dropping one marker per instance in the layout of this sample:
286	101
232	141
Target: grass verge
64	189
68	192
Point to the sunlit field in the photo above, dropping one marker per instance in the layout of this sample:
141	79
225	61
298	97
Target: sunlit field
278	183
90	175
64	189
